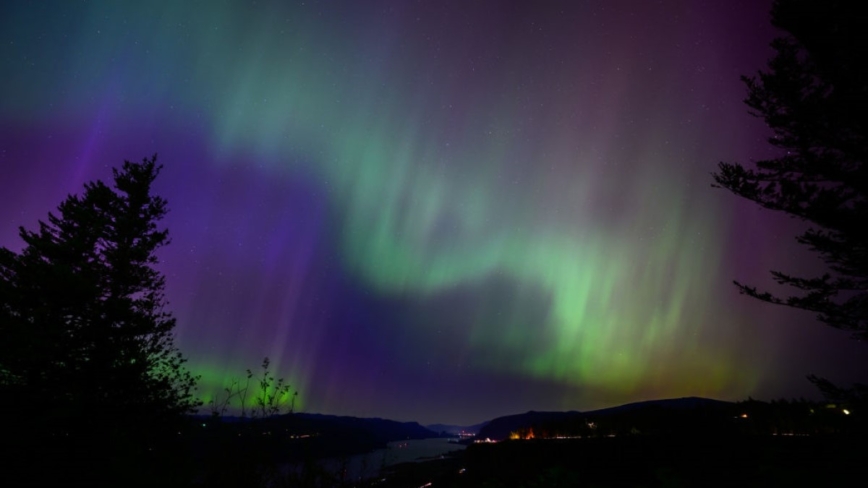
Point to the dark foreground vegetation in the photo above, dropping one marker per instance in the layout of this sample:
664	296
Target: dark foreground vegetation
683	442
620	461
650	461
686	442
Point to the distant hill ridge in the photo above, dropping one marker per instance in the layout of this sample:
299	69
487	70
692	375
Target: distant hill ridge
377	431
321	435
383	429
501	427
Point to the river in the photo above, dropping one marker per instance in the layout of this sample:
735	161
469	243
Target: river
370	464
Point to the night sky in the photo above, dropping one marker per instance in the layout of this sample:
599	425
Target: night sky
431	210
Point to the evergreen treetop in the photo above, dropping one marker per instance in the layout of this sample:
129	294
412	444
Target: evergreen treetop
814	96
83	325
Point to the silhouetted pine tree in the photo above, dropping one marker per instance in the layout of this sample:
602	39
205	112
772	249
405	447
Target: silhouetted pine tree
814	95
86	347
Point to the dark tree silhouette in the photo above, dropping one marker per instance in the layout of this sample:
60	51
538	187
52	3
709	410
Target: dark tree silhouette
86	346
814	96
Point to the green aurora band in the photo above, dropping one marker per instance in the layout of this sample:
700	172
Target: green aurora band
526	187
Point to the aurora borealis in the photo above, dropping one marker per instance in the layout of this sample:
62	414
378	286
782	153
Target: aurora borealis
430	210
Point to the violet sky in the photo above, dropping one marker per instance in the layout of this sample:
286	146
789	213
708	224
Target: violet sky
431	210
